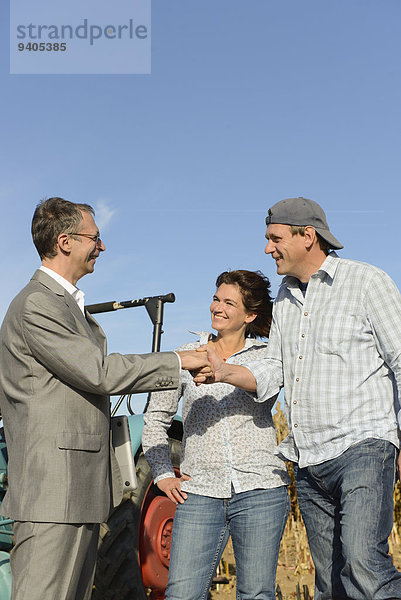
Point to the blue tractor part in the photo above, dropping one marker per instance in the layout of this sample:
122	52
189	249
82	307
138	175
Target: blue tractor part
5	576
5	528
136	426
135	423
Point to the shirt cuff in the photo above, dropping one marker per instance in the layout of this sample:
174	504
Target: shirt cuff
179	359
164	476
265	389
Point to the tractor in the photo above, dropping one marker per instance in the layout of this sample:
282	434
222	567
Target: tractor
134	544
5	528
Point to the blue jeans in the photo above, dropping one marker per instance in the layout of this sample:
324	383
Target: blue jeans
202	525
347	507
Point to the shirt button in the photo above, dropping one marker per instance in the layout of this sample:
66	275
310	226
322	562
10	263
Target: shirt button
296	425
303	335
294	402
297	379
306	314
301	357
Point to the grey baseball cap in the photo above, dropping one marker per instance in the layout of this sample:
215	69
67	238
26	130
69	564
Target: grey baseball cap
301	211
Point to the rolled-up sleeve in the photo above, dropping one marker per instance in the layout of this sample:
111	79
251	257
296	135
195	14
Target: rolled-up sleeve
268	371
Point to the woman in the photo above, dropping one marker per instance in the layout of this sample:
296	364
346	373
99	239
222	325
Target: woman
231	482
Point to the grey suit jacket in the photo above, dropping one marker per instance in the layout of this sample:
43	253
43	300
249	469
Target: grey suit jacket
55	382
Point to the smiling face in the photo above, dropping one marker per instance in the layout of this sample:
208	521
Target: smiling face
85	251
227	310
286	249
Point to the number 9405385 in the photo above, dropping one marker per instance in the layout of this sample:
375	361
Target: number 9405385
43	47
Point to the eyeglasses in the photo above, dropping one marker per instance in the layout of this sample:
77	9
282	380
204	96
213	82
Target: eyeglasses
95	237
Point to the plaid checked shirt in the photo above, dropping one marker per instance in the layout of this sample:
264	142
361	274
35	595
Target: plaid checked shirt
337	351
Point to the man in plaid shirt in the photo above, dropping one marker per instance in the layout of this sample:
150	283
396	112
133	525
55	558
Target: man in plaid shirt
335	346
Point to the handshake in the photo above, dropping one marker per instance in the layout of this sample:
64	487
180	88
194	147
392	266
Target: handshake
206	367
203	364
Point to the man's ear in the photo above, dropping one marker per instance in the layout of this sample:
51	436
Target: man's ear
64	242
310	236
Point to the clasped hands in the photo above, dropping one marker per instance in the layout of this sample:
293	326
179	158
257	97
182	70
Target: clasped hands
203	363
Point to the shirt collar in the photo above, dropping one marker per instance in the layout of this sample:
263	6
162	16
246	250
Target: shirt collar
205	336
75	292
329	268
330	265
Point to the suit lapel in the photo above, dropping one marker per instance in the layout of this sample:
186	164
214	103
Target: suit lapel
87	321
97	331
48	282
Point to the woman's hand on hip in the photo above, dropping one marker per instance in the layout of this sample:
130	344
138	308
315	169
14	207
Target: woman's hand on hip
171	486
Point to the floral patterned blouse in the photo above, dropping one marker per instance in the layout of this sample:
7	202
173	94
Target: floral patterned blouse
229	439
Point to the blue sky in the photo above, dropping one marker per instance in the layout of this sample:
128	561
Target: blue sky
248	102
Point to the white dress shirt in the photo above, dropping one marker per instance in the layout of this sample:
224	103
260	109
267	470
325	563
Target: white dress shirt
75	292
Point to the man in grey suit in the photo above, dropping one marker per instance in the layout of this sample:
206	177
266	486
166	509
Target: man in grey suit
55	382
